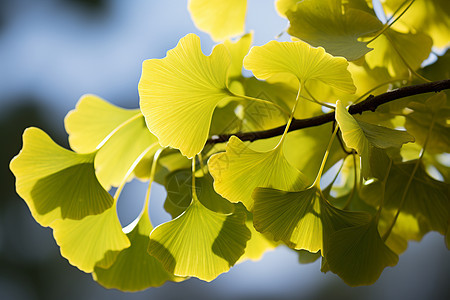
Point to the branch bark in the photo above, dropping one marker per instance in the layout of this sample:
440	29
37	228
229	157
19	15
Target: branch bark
369	104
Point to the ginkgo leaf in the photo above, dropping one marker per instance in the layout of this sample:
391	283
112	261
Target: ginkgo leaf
221	19
430	16
324	23
134	269
358	254
239	170
178	185
121	133
258	244
306	257
178	93
393	49
362	136
426	199
300	219
418	123
238	50
301	60
92	121
305	148
282	6
85	242
57	183
200	242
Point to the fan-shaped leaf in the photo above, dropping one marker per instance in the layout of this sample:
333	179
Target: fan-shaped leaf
238	50
362	136
430	16
358	254
179	93
221	19
239	170
134	269
200	242
427	199
86	242
57	183
92	120
301	60
300	219
393	49
324	23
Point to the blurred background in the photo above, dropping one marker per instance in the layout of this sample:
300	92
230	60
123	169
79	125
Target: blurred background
54	51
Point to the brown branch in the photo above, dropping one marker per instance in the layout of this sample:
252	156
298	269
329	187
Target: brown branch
369	104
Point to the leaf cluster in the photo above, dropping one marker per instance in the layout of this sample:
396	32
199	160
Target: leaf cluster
233	201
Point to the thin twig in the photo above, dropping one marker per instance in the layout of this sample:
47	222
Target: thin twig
369	104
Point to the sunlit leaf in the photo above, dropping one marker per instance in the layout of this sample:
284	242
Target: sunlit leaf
301	60
418	123
178	93
92	121
134	269
393	49
282	6
239	170
258	243
363	136
221	19
324	23
85	242
200	242
426	199
430	16
57	183
358	254
300	219
179	193
305	150
306	257
238	50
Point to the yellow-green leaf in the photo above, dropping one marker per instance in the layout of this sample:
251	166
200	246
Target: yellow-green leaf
85	242
134	269
301	60
325	23
178	93
200	242
300	219
238	50
282	6
92	120
362	136
358	254
426	199
393	49
221	19
430	16
239	170
57	183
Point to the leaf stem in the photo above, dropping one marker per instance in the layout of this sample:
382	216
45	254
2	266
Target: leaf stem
131	169
260	100
408	184
194	193
122	125
383	191
291	116
388	25
394	46
355	182
324	160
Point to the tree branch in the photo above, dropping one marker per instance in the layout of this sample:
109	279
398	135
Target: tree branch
369	104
